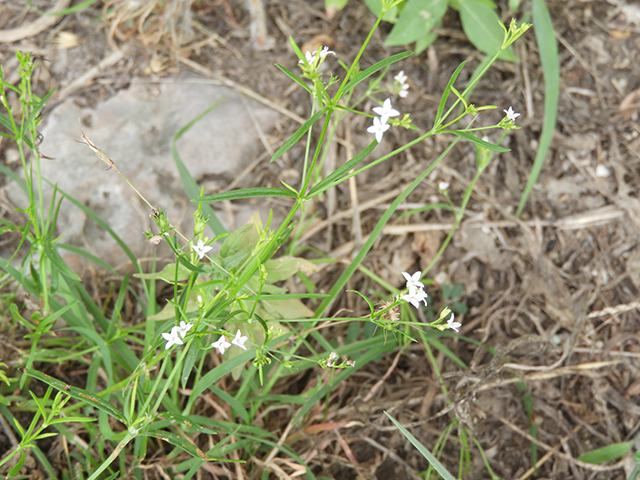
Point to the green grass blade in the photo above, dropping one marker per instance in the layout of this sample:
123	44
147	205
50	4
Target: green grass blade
376	347
245	193
348	272
77	393
295	78
95	217
373	69
435	463
327	182
606	454
189	183
548	47
298	135
473	139
445	94
14	176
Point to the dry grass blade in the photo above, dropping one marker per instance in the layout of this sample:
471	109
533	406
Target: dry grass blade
36	27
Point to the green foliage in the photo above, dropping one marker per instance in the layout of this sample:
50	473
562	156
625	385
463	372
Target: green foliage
147	376
415	21
548	48
606	454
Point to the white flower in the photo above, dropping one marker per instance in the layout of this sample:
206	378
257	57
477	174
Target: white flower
172	338
511	115
415	296
201	249
453	325
325	51
221	344
183	328
413	280
385	111
443	185
400	77
403	93
239	340
311	57
378	128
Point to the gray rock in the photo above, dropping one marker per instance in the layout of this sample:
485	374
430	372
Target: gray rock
135	129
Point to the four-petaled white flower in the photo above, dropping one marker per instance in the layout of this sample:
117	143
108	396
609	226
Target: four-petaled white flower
453	325
385	111
310	56
413	280
415	296
378	128
183	328
403	93
172	338
221	344
400	77
325	51
443	185
511	115
201	249
239	340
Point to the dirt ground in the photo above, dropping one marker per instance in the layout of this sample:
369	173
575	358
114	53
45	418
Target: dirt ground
555	291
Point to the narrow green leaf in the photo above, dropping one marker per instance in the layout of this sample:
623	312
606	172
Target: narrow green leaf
445	94
245	193
299	133
481	24
221	370
14	471
168	274
77	393
548	48
89	256
472	138
295	78
286	296
55	258
435	463
329	180
38	108
189	183
71	419
373	69
606	454
97	340
189	362
6	122
415	22
332	6
105	226
179	442
65	11
373	236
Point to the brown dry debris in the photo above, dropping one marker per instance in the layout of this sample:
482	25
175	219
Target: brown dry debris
553	296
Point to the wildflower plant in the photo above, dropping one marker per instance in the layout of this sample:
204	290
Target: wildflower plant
228	307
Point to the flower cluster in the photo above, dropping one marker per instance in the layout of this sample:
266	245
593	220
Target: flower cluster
311	57
222	344
416	293
401	78
380	123
177	334
332	362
